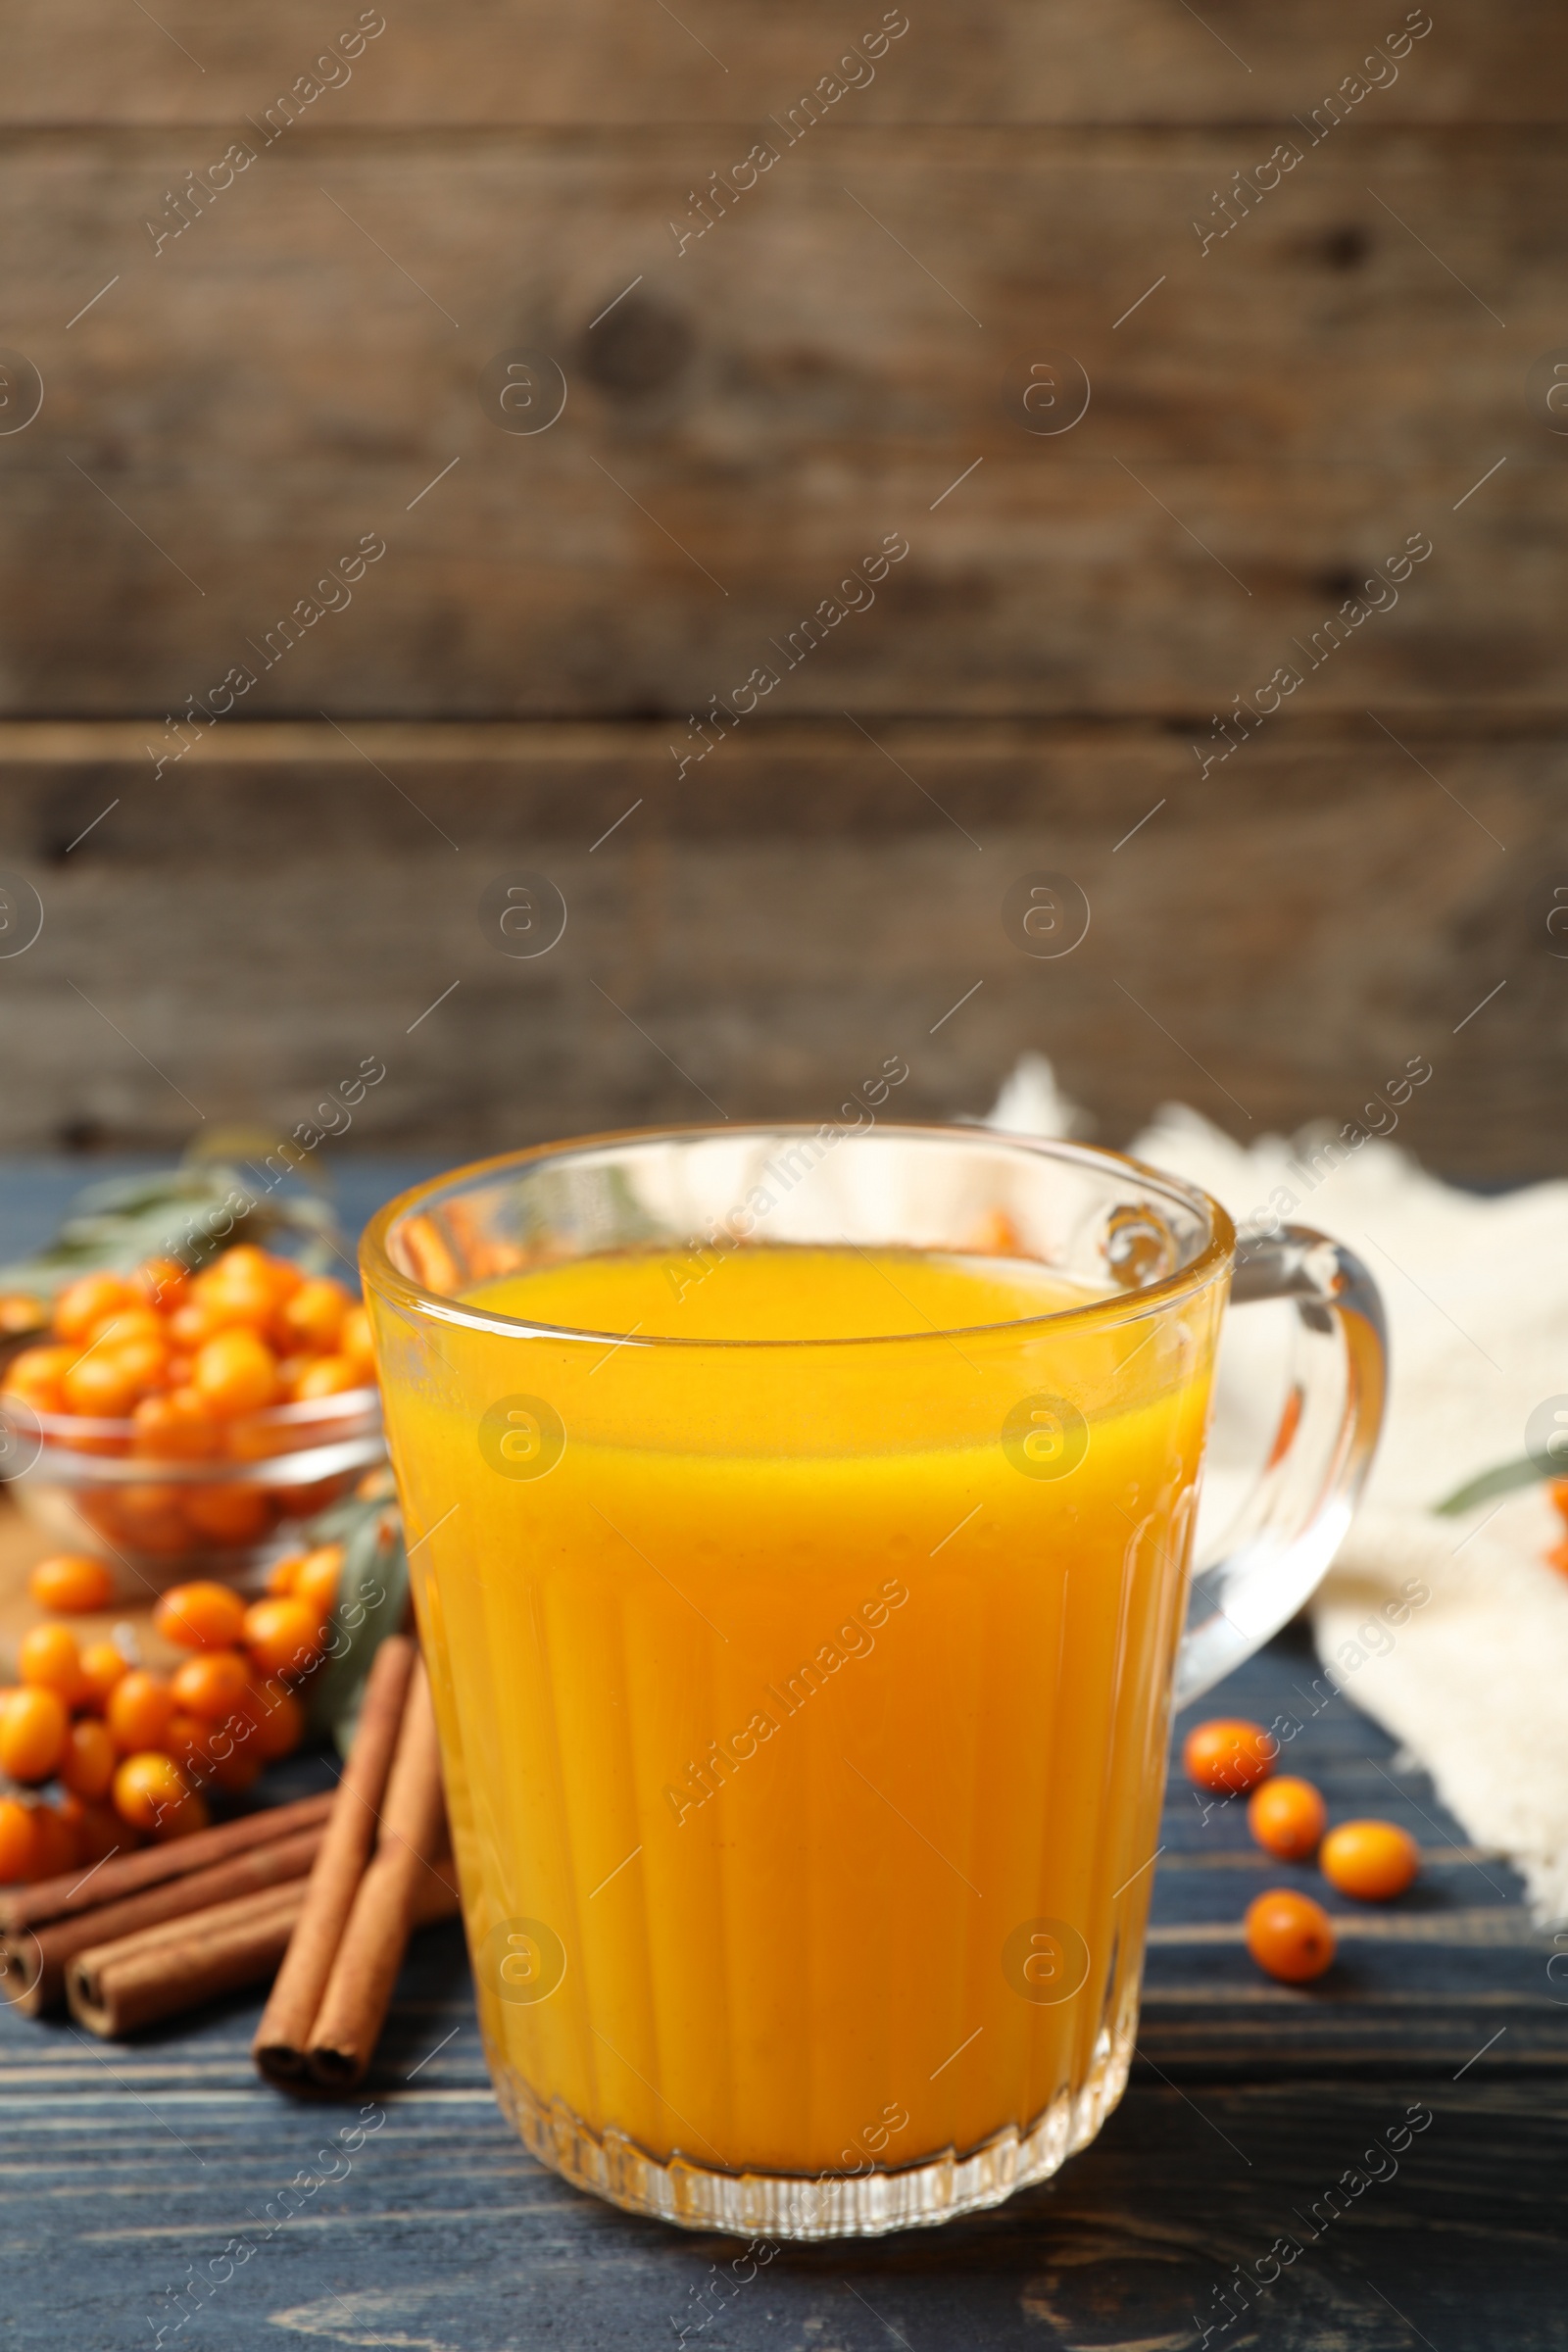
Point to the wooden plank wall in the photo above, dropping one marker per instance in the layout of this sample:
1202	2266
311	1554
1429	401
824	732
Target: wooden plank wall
267	518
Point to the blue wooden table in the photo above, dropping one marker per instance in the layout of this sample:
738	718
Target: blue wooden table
157	2192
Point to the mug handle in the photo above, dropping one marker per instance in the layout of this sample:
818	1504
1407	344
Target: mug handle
1295	1520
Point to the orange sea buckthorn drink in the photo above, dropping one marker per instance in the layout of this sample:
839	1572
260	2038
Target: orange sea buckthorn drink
801	1525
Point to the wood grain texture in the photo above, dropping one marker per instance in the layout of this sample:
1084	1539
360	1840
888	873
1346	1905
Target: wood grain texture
734	61
300	367
1269	943
434	2228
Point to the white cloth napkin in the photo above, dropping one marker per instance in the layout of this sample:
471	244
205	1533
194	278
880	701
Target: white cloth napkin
1474	1678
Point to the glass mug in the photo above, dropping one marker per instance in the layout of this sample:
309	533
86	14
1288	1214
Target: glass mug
804	1700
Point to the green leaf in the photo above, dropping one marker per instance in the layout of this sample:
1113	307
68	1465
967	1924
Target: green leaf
1506	1479
193	1213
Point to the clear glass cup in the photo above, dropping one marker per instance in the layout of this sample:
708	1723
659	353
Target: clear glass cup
803	1703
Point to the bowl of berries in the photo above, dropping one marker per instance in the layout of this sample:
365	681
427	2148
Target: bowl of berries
183	1423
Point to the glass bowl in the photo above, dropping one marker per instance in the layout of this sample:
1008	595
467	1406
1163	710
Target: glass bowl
93	1487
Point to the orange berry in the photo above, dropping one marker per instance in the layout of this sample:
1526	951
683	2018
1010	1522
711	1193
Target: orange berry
103	1665
328	1375
35	1376
279	1721
213	1685
55	1848
71	1581
1372	1859
188	1740
202	1616
47	1658
1287	1818
88	1764
128	1323
177	1427
282	1574
144	1360
283	1637
356	1342
235	1373
228	1514
313	1318
1289	1936
161	1282
98	1828
20	1311
33	1733
148	1788
317	1575
102	1385
152	1518
84	1304
139	1710
18	1843
191	1326
237	1759
1229	1754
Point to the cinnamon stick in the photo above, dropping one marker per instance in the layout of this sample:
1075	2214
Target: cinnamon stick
129	1874
284	2033
387	1908
115	1987
32	1961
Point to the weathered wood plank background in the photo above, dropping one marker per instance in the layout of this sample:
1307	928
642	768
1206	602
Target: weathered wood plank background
561	619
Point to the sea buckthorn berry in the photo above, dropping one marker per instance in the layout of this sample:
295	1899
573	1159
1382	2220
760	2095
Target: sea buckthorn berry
102	1385
1288	1818
235	1373
179	1426
71	1581
1229	1754
47	1658
54	1841
188	1740
35	1376
317	1577
283	1637
103	1665
313	1318
279	1721
161	1283
191	1325
237	1765
152	1518
144	1360
148	1788
16	1840
88	1764
183	1819
328	1375
20	1311
84	1304
1289	1936
97	1827
1372	1859
128	1323
282	1574
228	1514
33	1733
213	1685
357	1342
138	1712
200	1616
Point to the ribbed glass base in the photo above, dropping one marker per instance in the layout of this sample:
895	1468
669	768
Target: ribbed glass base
787	2205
